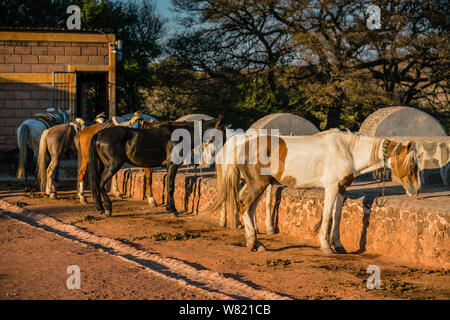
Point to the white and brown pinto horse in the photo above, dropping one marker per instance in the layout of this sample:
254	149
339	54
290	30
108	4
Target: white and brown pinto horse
330	160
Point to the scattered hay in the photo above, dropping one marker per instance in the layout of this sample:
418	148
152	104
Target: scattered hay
20	204
322	297
396	285
161	236
87	218
277	263
35	195
390	285
174	237
132	239
411	271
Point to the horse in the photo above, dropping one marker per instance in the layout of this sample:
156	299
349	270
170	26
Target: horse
29	135
83	141
56	142
329	160
148	148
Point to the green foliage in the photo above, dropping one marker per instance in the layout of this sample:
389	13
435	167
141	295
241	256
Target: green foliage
314	59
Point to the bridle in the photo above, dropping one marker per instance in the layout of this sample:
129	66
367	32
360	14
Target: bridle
384	173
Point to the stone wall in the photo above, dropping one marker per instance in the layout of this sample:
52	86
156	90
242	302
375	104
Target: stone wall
412	231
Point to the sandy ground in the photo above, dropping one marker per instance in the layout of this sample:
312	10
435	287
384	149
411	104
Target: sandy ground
33	262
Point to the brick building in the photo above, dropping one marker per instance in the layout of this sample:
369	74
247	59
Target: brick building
42	68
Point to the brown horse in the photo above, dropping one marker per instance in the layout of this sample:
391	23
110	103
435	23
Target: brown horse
148	148
56	142
83	142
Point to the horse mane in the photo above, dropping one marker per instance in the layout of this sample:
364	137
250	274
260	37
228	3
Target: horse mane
350	143
333	130
410	159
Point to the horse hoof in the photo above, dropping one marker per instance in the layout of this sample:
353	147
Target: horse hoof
152	202
270	231
174	214
118	195
83	200
340	250
223	224
53	195
107	213
260	247
327	250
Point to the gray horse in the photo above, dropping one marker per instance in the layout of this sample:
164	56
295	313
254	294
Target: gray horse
29	135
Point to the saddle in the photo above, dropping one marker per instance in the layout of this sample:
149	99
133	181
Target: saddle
49	119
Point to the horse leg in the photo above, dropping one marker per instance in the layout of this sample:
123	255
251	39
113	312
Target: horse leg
171	172
223	215
269	225
51	169
81	174
335	235
56	181
324	238
223	212
247	209
107	174
115	188
148	187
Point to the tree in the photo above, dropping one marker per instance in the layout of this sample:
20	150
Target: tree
322	48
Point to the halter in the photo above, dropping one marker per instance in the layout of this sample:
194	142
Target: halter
385	146
383	172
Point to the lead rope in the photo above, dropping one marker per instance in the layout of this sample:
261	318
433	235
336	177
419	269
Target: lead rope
384	174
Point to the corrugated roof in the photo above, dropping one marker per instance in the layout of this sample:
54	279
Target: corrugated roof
33	29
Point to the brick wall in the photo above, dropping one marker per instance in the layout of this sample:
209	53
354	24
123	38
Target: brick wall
19	101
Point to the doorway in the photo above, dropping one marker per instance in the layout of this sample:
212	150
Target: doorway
92	94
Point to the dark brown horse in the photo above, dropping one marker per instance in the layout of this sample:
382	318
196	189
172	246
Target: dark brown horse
83	141
148	148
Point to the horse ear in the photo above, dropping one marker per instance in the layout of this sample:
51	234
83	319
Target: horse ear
410	146
219	121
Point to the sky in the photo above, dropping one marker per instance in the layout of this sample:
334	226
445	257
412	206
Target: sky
163	7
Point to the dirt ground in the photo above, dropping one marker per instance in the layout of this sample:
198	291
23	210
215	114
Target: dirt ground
33	262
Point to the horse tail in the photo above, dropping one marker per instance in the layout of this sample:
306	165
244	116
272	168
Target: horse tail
94	168
227	184
42	163
22	137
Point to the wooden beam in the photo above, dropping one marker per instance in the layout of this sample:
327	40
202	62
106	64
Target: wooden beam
25	78
112	82
57	36
87	68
